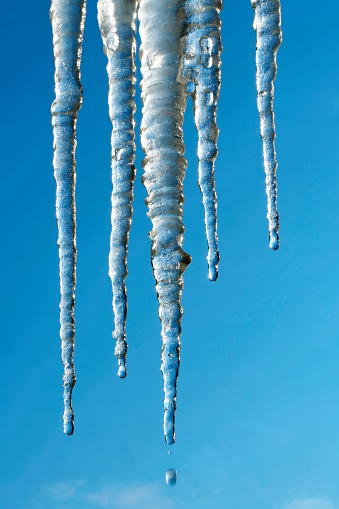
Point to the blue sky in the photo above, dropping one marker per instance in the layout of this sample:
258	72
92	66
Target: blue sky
258	393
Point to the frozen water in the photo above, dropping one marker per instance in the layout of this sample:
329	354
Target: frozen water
267	23
67	19
202	70
117	26
164	98
180	57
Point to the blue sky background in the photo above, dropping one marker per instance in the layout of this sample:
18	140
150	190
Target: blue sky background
258	393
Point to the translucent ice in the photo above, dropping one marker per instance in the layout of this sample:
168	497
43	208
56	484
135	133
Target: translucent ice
117	26
180	56
67	17
267	23
164	98
202	71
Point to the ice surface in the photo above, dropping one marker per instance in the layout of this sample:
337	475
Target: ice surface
267	23
117	26
67	17
164	98
180	56
202	70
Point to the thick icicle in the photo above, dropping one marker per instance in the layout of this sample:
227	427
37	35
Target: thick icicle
202	70
164	98
267	23
117	26
67	18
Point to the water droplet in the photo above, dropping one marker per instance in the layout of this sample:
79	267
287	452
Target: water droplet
68	428
171	477
190	87
122	370
274	240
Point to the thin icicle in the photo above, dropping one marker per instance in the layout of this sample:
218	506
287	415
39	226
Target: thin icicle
117	26
267	23
202	70
67	18
164	98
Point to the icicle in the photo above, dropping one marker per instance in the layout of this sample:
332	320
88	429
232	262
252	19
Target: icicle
117	26
202	70
164	99
67	18
267	24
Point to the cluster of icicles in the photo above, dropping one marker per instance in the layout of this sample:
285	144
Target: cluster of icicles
180	56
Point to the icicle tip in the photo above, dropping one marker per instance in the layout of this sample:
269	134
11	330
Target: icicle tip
213	267
169	425
122	373
274	240
69	428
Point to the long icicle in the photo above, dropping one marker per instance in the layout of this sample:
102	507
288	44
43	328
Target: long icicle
267	24
67	18
164	99
117	26
202	70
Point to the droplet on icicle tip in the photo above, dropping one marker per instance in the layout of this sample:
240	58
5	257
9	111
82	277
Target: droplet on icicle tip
68	428
122	372
213	272
171	477
213	263
274	240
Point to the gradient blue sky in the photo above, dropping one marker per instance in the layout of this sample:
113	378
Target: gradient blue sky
258	393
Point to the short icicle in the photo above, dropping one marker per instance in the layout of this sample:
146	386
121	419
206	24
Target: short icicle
164	99
67	18
117	26
202	71
267	24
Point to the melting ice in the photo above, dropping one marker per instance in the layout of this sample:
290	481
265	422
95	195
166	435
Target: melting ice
180	57
267	23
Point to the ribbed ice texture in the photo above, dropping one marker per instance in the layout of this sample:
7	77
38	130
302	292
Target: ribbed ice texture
67	18
164	99
202	71
117	26
267	24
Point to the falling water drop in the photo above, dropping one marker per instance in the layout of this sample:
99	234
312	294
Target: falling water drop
171	477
